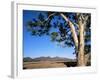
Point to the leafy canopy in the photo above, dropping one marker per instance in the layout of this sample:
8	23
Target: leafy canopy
53	25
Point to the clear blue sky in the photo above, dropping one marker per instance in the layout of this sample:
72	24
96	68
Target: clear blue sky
41	46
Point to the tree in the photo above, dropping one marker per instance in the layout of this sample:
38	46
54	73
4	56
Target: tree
69	29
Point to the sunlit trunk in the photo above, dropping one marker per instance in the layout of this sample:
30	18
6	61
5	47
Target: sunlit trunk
81	56
72	27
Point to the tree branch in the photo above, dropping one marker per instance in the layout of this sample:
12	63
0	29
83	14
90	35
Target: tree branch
42	22
71	25
50	16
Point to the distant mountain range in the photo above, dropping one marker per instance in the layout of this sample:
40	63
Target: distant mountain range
28	59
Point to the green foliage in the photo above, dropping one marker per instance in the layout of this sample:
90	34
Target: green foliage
44	24
54	35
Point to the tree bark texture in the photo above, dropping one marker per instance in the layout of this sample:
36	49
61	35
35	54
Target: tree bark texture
81	56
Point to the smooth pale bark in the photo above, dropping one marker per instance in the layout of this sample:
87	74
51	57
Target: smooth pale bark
81	56
78	44
74	35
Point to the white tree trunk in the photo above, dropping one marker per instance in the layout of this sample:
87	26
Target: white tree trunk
78	44
74	35
81	56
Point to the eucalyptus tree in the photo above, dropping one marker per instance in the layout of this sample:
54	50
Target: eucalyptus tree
66	28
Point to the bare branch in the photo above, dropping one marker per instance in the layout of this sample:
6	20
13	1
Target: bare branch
71	25
50	16
47	18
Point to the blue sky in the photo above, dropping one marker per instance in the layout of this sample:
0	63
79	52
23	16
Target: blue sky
34	46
